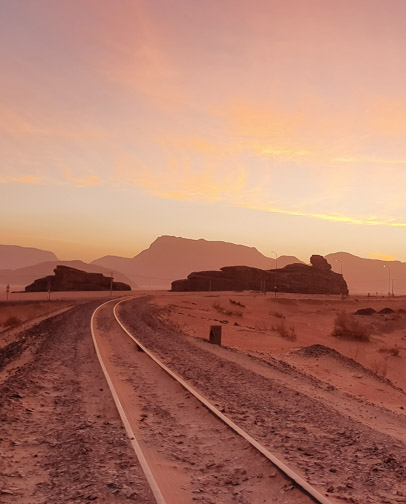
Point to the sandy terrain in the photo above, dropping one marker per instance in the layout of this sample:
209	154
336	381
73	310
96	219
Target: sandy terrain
348	440
334	410
253	328
61	439
193	456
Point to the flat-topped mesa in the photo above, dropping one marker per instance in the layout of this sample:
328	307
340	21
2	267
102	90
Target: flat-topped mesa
72	279
300	278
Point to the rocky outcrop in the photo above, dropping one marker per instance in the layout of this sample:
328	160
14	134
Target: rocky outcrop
301	278
72	279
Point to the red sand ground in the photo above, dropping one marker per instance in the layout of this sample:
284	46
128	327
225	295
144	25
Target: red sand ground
49	374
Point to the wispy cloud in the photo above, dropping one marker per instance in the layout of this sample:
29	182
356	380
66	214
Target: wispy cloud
234	186
362	160
25	179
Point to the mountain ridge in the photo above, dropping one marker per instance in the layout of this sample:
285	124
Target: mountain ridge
165	261
15	256
170	257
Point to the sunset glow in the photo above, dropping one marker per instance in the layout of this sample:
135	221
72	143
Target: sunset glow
279	125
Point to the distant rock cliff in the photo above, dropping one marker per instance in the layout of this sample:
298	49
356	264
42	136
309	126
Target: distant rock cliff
315	279
72	279
171	257
13	257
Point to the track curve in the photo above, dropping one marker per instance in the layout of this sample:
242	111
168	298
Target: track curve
292	475
159	498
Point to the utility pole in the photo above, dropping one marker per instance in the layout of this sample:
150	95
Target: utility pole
389	283
111	284
276	273
276	259
7	291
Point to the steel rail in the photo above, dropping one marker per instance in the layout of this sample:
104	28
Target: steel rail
298	480
130	433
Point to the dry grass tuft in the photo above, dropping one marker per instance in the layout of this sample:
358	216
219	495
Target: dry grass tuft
12	321
219	308
284	332
346	326
394	351
237	303
380	367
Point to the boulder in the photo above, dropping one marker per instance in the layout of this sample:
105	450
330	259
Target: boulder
301	278
318	262
72	279
365	311
386	311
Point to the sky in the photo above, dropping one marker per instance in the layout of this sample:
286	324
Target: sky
279	124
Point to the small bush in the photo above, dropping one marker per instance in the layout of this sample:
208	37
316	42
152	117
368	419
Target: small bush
346	326
277	314
237	303
380	367
284	332
224	311
394	351
12	321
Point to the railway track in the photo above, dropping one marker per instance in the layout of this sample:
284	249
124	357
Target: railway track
152	416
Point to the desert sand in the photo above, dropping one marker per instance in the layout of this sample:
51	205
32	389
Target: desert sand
332	408
253	328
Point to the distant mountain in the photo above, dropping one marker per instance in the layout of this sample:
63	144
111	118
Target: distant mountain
13	256
369	275
171	258
21	277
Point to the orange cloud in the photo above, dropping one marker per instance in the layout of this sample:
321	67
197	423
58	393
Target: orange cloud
380	256
25	179
180	181
387	116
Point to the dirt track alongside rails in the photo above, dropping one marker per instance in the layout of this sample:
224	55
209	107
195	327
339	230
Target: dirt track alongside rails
61	439
193	456
335	453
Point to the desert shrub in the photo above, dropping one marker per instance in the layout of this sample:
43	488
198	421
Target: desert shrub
380	367
12	321
277	314
237	303
394	351
224	311
284	332
261	326
346	326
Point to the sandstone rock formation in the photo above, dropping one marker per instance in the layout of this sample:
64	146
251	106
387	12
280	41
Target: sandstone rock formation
315	279
72	279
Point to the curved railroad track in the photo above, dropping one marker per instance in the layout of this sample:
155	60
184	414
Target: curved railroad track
175	477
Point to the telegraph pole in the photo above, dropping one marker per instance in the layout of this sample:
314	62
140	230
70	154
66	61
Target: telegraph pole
111	284
276	259
389	283
276	272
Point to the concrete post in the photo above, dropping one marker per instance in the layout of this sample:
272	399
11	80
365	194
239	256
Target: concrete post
215	335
